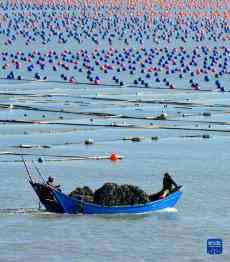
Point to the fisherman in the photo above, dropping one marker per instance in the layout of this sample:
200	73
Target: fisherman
168	184
51	183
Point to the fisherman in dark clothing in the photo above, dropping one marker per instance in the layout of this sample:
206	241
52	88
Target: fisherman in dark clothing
50	182
168	184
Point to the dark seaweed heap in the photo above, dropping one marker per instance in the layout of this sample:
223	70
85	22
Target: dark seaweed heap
111	194
85	192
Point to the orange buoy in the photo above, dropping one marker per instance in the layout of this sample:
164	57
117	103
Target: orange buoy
114	157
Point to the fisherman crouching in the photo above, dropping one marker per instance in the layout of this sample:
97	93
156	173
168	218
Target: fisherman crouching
50	182
169	185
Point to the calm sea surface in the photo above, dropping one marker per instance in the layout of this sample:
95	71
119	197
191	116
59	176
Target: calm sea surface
180	234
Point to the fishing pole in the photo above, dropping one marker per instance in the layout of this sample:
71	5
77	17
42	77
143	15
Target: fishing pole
27	170
38	171
39	203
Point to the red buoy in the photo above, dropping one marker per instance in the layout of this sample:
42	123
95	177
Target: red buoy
114	157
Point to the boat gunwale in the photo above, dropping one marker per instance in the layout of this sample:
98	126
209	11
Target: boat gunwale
82	202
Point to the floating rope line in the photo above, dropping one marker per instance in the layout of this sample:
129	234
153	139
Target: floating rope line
128	85
69	157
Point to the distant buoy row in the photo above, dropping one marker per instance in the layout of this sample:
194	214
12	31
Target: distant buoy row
110	22
154	66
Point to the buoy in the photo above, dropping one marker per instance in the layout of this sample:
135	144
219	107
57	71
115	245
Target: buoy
89	141
136	139
162	116
206	136
114	157
40	160
206	113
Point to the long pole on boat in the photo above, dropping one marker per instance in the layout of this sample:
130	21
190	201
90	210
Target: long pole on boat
39	173
27	170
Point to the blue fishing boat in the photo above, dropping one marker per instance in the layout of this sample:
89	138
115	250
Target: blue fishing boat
59	202
56	201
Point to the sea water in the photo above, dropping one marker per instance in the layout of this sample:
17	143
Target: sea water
200	164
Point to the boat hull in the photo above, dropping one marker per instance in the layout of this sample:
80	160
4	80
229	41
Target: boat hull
71	205
47	198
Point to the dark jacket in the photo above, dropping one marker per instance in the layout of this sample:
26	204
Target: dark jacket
168	183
